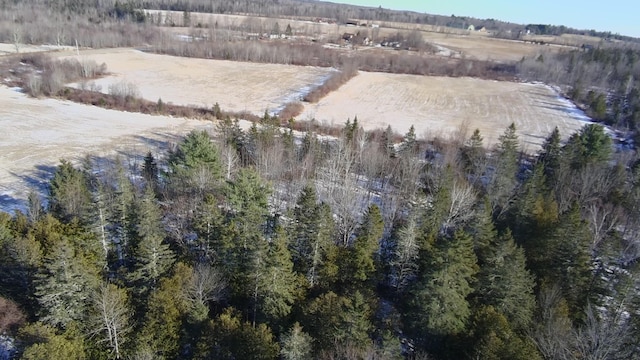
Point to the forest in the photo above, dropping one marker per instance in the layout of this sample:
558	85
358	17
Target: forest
259	244
275	243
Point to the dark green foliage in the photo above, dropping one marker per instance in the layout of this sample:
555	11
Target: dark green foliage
312	237
438	301
196	163
473	156
150	169
228	337
492	338
69	195
550	155
152	254
202	268
359	261
332	319
504	281
506	165
591	145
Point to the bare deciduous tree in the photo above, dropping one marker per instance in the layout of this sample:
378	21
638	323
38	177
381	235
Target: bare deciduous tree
112	317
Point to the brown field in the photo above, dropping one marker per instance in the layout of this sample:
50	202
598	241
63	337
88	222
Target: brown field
37	133
470	44
441	106
235	86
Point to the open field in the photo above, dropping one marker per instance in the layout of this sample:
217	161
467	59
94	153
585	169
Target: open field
236	86
441	106
36	134
470	44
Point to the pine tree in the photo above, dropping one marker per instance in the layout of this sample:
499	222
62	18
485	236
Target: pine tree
279	282
438	301
312	236
228	337
493	338
551	154
296	344
166	306
592	145
196	163
246	256
505	283
569	260
474	158
359	261
506	168
69	195
153	257
150	170
64	286
332	320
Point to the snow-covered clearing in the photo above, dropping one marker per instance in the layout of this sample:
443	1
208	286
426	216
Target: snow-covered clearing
443	106
37	133
235	86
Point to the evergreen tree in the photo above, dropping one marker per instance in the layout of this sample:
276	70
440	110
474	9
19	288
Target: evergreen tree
228	337
504	178
150	170
438	301
569	260
332	319
279	283
167	306
296	344
493	338
64	286
246	256
359	262
195	164
474	158
551	155
386	142
592	145
153	257
312	236
505	283
42	342
69	195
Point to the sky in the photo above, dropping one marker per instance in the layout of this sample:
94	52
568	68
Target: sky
617	16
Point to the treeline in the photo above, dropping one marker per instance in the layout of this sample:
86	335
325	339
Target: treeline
255	245
301	53
604	79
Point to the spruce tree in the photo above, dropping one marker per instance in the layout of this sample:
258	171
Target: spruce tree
153	257
312	237
438	300
505	283
279	283
504	178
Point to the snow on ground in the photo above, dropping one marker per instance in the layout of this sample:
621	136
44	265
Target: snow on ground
445	107
234	85
37	133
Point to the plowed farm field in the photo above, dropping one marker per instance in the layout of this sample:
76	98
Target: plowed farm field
442	106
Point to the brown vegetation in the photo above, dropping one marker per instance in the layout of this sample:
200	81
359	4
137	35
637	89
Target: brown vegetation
39	75
336	80
11	317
